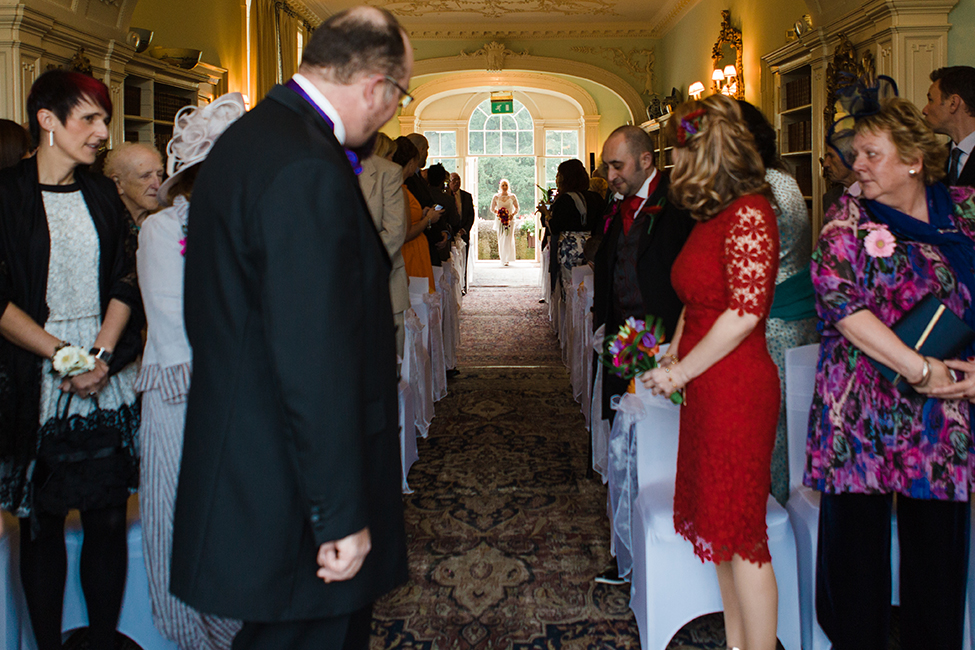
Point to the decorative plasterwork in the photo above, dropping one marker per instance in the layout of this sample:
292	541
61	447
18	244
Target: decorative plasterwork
638	61
460	32
304	12
495	54
533	63
497	8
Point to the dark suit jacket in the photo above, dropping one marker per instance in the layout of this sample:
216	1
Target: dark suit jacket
466	214
967	175
657	251
292	426
420	190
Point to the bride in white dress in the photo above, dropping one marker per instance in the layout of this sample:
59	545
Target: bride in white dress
506	236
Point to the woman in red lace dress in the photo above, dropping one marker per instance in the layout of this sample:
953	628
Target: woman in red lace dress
725	277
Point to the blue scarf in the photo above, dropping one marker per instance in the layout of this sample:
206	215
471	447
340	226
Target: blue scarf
940	232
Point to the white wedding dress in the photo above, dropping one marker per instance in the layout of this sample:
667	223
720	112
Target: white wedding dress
506	236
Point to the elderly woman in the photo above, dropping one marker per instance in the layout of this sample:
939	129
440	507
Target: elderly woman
904	238
792	319
570	221
725	275
164	379
506	234
68	299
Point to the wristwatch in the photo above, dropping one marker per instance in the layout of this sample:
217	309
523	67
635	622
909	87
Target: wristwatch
103	354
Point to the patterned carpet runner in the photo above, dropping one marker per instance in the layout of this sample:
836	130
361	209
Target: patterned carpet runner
505	531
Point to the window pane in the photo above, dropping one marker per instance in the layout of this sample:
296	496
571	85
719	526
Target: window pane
434	141
524	119
509	142
450	164
478	119
551	168
476	143
570	143
493	123
553	143
448	143
526	142
492	142
508	123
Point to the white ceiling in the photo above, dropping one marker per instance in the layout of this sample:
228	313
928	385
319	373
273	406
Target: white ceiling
524	18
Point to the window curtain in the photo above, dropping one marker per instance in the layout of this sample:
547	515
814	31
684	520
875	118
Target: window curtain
276	34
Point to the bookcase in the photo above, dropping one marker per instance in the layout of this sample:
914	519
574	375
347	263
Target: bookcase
662	154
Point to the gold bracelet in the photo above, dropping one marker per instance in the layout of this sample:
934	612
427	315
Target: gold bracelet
925	373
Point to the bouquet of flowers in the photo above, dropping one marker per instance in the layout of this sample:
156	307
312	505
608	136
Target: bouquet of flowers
504	218
633	350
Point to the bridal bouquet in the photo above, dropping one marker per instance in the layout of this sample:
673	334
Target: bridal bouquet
504	218
633	350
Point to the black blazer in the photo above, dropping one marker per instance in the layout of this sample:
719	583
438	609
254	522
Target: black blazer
466	214
292	424
967	175
657	251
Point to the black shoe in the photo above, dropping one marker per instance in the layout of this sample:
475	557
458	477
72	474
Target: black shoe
453	372
610	575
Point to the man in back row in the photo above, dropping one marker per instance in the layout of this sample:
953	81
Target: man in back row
951	110
288	512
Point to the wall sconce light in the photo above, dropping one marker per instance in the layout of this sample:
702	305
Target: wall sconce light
695	90
726	81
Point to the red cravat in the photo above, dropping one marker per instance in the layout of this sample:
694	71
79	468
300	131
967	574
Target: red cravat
631	204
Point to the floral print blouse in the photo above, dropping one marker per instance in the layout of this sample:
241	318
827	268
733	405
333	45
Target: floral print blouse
864	436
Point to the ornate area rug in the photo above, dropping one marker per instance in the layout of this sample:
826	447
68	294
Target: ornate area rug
505	531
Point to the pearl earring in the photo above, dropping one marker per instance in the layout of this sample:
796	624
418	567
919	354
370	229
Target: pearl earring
911	171
50	138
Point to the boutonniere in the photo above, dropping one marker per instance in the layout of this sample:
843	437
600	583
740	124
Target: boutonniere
182	242
877	239
654	210
614	209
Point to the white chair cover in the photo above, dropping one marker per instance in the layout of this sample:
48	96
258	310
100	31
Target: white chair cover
599	427
662	558
623	475
451	317
416	365
545	280
436	348
587	359
407	432
457	254
579	333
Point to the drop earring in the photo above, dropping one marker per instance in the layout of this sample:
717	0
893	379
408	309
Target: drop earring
50	138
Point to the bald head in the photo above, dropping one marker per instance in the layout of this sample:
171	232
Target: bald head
137	170
359	41
628	155
422	146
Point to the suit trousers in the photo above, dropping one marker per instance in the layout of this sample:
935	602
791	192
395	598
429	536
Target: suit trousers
853	575
349	632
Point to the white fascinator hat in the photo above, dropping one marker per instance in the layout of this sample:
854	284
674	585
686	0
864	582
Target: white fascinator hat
195	130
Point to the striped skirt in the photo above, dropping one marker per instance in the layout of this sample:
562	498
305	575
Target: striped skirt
161	435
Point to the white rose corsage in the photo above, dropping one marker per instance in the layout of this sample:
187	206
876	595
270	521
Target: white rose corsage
71	360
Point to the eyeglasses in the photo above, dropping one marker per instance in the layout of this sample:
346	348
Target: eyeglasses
407	98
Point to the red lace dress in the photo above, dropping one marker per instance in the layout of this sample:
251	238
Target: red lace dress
727	425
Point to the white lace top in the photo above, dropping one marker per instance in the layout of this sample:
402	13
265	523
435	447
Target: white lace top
72	273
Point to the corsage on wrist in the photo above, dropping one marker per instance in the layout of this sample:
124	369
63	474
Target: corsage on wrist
72	360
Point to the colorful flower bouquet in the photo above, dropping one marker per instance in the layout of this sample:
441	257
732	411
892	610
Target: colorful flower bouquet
504	218
633	350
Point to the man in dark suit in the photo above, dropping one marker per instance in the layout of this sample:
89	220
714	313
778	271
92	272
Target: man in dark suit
951	110
632	265
288	511
465	207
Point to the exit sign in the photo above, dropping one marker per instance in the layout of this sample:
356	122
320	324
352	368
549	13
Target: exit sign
502	103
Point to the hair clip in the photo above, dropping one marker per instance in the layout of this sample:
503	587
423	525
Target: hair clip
690	126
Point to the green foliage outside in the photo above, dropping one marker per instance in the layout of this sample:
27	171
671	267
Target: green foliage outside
520	172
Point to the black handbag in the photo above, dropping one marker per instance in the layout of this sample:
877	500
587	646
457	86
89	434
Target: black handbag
80	462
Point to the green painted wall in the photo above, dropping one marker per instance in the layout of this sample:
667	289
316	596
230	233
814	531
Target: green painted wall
684	53
961	45
213	26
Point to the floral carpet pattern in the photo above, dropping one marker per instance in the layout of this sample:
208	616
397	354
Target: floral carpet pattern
505	531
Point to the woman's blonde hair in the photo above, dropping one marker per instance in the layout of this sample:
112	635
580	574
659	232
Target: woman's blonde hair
911	135
719	161
384	147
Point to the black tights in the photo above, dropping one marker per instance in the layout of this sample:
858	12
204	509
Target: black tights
44	567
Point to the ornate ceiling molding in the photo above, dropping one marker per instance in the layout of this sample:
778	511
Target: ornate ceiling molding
497	8
637	61
464	32
530	63
663	23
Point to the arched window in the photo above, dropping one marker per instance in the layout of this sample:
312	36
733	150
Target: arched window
501	135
